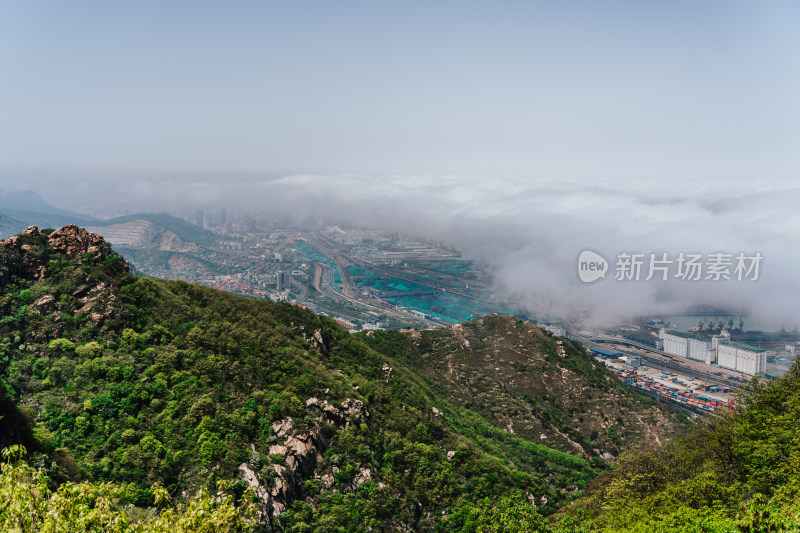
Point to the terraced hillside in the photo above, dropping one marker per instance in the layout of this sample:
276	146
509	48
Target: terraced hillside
144	234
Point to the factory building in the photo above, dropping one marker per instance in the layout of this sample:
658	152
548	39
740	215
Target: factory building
742	357
700	350
738	356
687	345
675	342
632	363
605	353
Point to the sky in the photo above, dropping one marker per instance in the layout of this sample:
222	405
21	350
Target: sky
523	132
619	88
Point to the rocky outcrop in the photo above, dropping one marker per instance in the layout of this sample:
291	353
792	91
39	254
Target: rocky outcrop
71	240
261	492
303	450
75	242
19	242
296	455
351	410
364	475
46	303
30	254
27	264
315	338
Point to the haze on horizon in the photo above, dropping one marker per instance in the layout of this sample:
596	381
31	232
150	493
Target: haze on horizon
520	131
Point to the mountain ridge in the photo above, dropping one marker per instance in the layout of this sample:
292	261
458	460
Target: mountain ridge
26	200
530	383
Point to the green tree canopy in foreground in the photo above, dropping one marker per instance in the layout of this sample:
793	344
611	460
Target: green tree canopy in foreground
739	473
29	504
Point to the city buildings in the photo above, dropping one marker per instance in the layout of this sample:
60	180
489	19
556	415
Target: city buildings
738	356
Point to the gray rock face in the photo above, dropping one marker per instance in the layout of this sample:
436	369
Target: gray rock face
304	450
341	417
301	452
46	303
267	505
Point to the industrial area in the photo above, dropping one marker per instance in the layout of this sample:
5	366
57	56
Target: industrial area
699	371
679	389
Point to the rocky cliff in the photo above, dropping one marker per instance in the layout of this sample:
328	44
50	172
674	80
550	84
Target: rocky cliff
296	456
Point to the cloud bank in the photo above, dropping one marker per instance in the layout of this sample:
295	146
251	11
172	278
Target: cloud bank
534	230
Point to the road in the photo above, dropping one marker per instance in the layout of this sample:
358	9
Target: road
302	291
323	283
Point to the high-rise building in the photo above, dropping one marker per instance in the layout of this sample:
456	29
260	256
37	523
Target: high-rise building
283	280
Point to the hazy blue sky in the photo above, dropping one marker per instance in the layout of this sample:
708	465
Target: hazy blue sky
613	88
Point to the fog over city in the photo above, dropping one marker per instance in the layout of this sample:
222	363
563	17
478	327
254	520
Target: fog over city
533	230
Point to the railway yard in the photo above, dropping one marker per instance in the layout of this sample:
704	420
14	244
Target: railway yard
685	391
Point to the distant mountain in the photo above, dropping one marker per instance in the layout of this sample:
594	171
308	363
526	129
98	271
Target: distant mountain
10	225
26	200
20	208
138	233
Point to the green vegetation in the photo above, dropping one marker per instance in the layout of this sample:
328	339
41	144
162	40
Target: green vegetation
740	473
513	376
122	381
31	504
134	394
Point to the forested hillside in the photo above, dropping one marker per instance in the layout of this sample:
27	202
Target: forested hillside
109	377
139	399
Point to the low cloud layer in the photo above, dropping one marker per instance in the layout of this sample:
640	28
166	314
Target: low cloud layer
535	229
